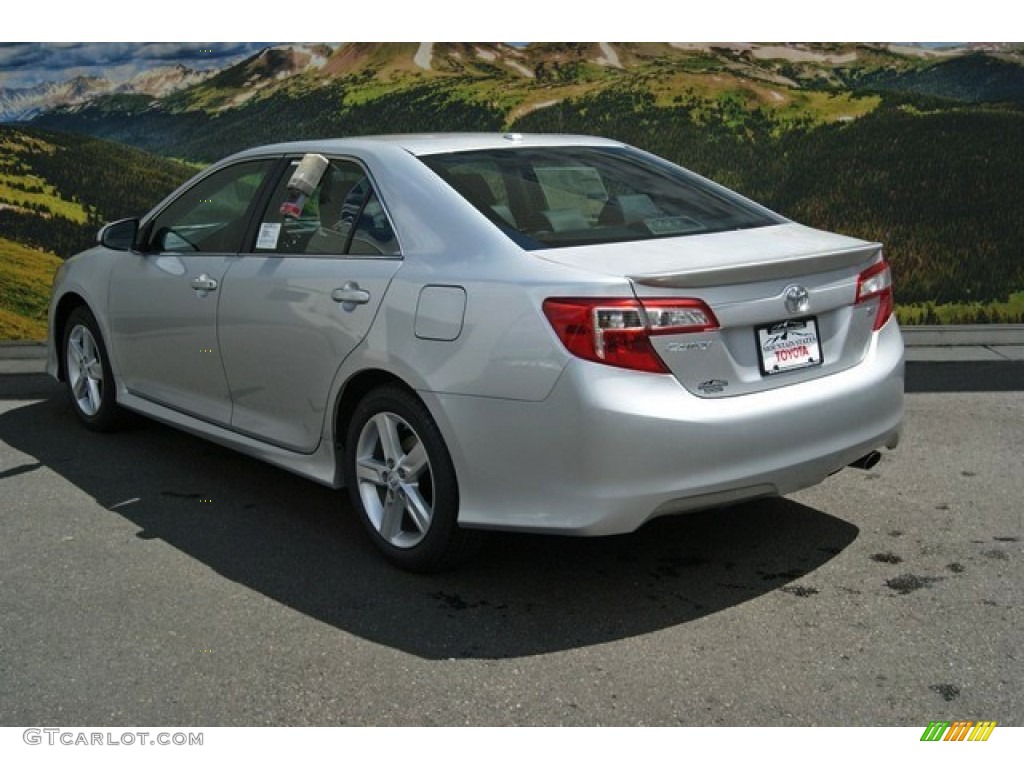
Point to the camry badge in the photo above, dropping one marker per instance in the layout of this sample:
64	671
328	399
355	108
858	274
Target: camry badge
712	385
688	346
797	299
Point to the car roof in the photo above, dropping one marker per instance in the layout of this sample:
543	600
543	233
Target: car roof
433	143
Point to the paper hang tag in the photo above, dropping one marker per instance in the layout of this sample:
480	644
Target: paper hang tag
267	238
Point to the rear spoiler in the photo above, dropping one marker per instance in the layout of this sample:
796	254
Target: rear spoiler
753	272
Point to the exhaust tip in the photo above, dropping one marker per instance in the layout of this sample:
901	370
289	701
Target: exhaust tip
867	461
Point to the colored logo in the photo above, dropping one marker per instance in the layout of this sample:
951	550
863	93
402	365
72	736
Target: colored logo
958	730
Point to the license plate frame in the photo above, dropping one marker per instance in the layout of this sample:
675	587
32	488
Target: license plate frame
788	345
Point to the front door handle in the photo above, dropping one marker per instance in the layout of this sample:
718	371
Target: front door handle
204	283
350	294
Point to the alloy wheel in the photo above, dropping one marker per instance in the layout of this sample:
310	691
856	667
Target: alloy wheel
395	480
85	370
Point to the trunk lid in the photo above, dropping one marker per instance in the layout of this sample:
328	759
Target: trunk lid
784	297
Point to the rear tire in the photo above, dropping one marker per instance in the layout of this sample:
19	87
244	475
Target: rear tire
89	379
402	482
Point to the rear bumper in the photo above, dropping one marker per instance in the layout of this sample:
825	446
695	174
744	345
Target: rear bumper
610	449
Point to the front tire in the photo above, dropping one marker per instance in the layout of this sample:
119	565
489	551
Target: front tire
402	482
89	379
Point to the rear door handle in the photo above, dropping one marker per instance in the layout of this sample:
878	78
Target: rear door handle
350	294
204	283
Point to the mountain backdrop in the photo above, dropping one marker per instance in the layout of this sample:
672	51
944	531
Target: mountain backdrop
919	148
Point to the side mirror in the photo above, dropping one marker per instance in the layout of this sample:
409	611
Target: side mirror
119	235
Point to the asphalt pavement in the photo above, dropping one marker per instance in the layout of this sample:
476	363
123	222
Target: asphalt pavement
150	577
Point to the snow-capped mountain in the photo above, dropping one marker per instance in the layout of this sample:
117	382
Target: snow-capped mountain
18	104
26	103
160	81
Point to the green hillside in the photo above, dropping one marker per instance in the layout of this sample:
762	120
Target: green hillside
25	278
340	109
921	151
56	189
939	189
975	79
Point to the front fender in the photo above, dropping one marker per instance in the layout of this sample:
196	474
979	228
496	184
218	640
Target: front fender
82	279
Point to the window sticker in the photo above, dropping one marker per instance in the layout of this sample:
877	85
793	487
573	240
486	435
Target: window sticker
268	236
579	187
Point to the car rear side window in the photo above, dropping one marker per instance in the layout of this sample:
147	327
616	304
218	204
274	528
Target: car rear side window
210	216
547	197
343	216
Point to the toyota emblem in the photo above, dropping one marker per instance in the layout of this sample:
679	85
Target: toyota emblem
797	299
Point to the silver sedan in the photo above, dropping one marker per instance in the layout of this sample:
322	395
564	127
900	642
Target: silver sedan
555	334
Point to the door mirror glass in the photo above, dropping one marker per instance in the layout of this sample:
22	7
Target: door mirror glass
119	235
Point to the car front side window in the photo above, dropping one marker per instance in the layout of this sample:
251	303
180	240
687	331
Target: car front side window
211	216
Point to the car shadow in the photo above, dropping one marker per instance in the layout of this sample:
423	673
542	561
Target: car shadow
301	545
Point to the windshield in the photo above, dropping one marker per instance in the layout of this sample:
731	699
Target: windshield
549	197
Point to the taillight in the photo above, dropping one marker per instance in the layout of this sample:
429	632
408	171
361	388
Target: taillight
874	282
617	331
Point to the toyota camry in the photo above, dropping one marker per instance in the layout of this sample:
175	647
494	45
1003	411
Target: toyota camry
558	334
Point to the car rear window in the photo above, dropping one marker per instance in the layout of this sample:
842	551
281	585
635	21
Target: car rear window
549	197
